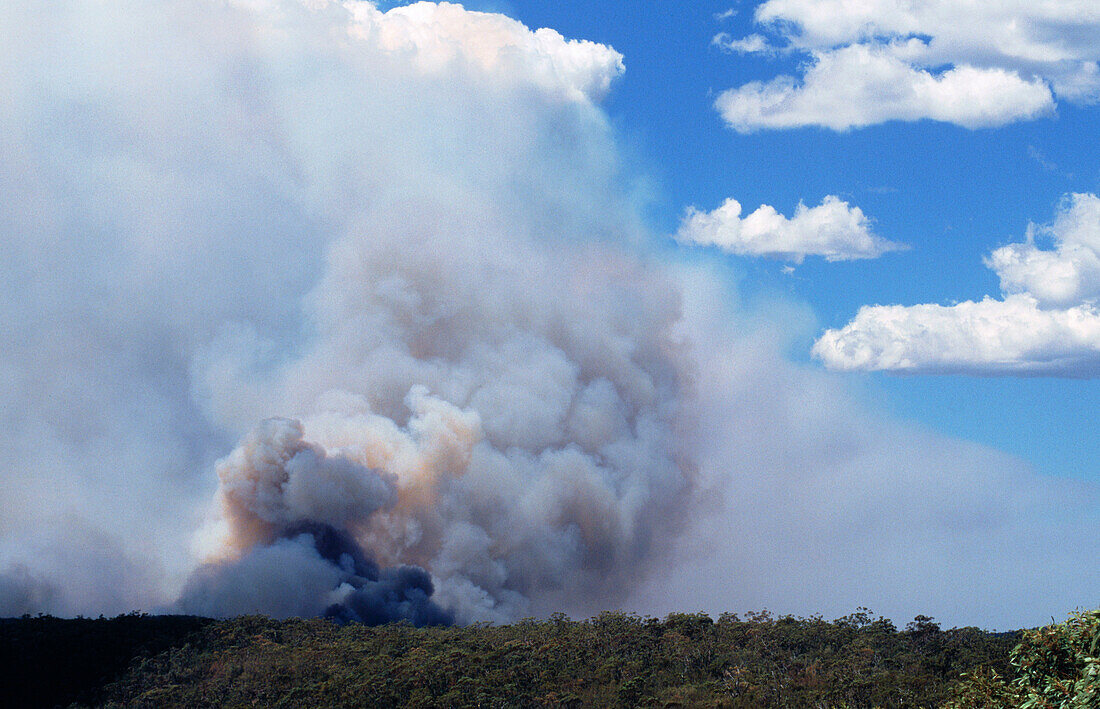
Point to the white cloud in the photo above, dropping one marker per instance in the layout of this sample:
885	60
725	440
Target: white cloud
1010	336
1067	274
861	85
833	229
753	44
894	60
1051	31
1047	323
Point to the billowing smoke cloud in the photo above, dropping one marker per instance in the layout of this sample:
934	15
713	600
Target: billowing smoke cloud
287	509
365	299
275	481
314	570
523	423
404	232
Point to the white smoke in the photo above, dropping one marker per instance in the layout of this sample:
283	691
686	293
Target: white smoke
529	417
400	230
275	480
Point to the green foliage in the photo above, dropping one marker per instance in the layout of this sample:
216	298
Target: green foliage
612	660
983	688
1059	666
1056	667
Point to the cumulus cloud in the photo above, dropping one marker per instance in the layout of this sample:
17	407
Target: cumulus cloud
1010	336
834	230
1046	324
975	65
858	85
1066	274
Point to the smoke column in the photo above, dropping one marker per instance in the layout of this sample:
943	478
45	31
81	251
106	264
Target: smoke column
511	430
386	257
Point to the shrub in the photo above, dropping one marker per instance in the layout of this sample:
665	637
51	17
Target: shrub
1056	667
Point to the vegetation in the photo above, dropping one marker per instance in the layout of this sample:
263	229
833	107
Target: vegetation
615	659
48	661
612	660
1057	667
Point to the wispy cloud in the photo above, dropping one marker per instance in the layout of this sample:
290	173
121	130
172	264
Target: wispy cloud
752	44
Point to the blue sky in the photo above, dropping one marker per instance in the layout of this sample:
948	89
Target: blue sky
952	193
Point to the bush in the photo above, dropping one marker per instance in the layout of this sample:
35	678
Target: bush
1056	667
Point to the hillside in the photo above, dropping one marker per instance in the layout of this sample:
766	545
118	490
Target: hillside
614	659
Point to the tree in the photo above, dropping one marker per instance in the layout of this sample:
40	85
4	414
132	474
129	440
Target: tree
1056	667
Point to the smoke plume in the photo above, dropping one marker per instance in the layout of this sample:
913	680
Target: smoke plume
288	508
514	432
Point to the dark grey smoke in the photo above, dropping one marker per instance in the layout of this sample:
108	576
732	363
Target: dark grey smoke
314	569
290	509
22	593
378	595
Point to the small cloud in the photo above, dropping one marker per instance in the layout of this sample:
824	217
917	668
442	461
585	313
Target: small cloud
833	230
870	63
1038	156
753	44
1068	273
725	15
